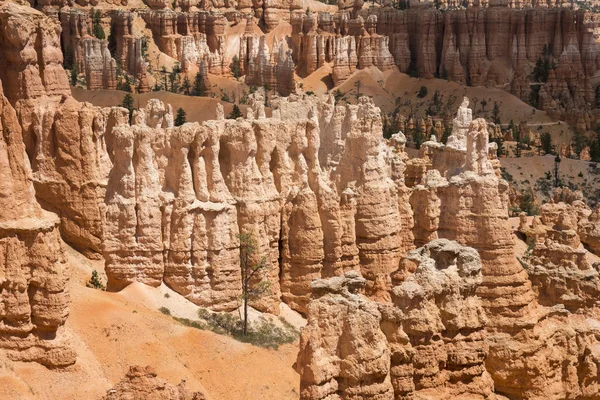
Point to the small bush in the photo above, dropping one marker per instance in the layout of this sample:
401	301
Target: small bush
422	92
506	175
167	295
165	310
262	333
95	282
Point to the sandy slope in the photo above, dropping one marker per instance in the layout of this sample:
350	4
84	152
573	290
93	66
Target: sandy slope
392	88
526	171
197	109
112	331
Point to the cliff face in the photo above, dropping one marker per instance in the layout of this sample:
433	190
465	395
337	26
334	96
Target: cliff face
64	138
259	176
190	37
263	66
355	347
33	274
495	46
85	52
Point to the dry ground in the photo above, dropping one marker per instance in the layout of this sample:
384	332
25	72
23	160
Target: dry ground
112	331
527	171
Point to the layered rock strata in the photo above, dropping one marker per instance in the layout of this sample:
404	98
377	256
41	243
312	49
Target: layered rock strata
353	347
201	185
559	265
264	66
190	37
33	271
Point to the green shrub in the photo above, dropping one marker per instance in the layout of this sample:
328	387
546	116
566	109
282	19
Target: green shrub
95	282
262	333
165	310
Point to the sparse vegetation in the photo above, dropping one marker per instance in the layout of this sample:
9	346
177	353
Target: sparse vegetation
165	310
235	67
579	142
97	29
418	136
496	114
546	141
253	284
422	92
235	112
199	89
95	282
262	333
180	118
128	104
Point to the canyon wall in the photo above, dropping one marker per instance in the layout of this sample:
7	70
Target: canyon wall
353	347
199	186
496	45
33	272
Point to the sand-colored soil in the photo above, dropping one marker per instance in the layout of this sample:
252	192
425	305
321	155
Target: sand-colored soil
526	171
392	88
111	331
197	109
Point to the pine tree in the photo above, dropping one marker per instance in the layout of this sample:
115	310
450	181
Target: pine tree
128	104
95	282
97	29
186	86
579	142
235	67
418	136
496	114
546	140
516	133
235	112
180	118
199	89
446	134
253	286
164	72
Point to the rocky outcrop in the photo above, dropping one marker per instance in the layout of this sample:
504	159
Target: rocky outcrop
142	383
190	37
558	264
405	349
259	176
267	67
64	138
473	211
33	272
100	67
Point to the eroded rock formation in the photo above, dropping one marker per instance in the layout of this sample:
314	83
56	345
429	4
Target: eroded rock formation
559	266
259	176
142	383
353	347
265	67
33	272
